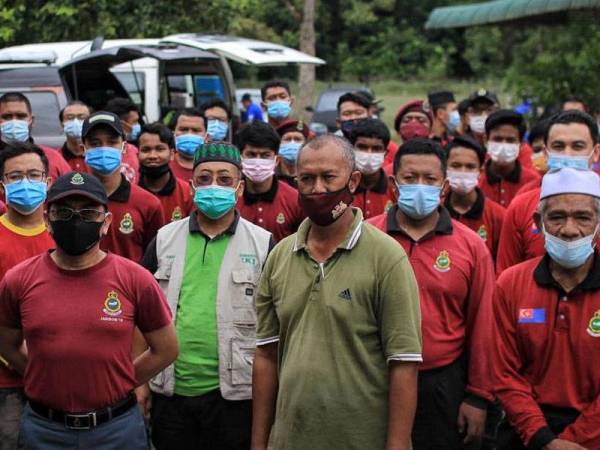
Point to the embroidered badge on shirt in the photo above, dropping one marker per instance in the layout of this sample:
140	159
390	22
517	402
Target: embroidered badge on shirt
126	224
482	232
442	262
280	219
176	214
532	315
112	305
593	328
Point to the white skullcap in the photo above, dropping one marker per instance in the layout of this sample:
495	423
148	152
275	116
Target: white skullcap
570	181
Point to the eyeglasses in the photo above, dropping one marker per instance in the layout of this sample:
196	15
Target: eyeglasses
31	175
207	180
63	213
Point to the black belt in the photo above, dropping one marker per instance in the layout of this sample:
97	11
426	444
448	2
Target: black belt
85	421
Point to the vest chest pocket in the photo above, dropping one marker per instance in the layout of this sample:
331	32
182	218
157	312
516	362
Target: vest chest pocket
163	273
244	285
242	358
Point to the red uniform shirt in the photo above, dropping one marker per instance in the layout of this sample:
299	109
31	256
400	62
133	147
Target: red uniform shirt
520	238
19	244
181	172
546	352
78	325
503	190
76	162
276	210
2	208
136	217
175	198
130	164
455	273
485	218
392	148
373	201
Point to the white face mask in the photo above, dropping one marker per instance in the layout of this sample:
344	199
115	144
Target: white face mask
502	152
369	163
463	182
477	123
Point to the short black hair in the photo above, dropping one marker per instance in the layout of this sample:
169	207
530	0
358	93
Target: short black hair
573	99
246	96
465	141
506	117
258	134
14	149
215	103
121	107
538	131
164	134
71	103
190	112
15	97
573	116
272	84
370	128
463	106
420	146
354	97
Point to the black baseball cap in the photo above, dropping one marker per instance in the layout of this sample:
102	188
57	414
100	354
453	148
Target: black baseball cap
437	98
485	95
78	183
102	118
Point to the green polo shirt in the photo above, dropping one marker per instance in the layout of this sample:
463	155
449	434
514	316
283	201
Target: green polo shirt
338	324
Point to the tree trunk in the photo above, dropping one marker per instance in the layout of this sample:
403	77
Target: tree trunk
307	71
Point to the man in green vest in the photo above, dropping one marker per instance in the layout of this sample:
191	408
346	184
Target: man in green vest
209	265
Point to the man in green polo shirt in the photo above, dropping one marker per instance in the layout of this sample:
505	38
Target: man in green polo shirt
338	333
209	265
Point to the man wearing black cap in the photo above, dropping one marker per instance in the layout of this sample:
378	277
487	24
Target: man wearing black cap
208	265
77	308
481	104
445	115
136	214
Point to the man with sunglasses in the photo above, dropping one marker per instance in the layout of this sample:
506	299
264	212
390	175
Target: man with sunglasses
77	308
209	264
23	169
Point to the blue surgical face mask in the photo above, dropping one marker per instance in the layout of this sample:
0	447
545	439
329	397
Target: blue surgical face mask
14	130
557	161
134	134
188	143
25	196
214	201
104	160
289	151
453	121
217	129
73	128
418	200
569	254
279	109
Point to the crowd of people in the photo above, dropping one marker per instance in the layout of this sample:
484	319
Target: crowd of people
201	284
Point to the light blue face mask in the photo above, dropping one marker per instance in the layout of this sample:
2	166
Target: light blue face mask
104	160
289	151
25	196
134	134
279	109
214	201
557	161
569	254
453	121
73	128
217	129
188	143
14	130
418	200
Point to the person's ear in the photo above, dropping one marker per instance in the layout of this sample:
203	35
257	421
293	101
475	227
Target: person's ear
240	190
32	120
595	153
106	224
171	154
354	181
445	190
292	100
277	160
537	219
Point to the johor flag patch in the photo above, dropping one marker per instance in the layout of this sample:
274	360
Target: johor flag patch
532	315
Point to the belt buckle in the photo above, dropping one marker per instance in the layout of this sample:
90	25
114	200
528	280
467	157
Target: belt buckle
80	421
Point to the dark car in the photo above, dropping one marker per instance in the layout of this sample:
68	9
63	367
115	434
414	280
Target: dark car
325	111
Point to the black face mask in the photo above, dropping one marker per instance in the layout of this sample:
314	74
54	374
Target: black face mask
75	237
154	171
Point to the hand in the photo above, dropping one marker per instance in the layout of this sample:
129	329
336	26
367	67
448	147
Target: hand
144	399
561	444
472	421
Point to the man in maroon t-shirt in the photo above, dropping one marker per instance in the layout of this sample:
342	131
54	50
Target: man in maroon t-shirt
77	308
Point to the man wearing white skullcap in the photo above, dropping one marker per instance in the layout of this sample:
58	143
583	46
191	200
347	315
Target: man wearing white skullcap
547	311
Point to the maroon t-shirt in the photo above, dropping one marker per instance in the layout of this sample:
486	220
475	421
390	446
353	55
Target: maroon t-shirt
79	325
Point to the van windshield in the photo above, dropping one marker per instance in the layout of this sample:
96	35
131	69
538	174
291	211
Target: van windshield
134	84
185	91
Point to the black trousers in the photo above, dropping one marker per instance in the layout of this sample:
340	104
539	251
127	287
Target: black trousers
206	422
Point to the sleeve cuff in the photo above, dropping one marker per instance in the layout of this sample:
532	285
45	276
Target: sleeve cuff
542	437
265	341
476	401
406	357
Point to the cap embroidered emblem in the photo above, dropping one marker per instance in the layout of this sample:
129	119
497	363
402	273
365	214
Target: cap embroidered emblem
482	232
126	224
280	219
112	304
77	179
442	262
594	325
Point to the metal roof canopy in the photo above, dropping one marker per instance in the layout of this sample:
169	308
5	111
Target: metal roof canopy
505	11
